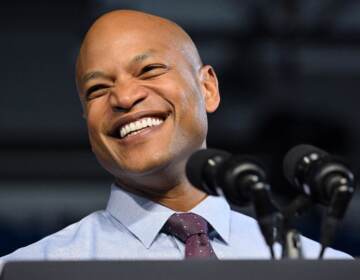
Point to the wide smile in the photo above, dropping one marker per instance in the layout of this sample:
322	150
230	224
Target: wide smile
137	125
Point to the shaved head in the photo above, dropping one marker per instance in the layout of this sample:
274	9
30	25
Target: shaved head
131	22
145	95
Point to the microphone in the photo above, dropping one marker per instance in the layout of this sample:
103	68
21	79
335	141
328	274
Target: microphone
325	179
202	168
217	172
240	179
317	174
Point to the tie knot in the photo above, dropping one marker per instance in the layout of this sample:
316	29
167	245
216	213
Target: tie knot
184	225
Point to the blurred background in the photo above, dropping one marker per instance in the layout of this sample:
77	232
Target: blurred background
289	73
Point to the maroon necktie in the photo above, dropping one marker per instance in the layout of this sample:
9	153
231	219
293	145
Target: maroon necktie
191	229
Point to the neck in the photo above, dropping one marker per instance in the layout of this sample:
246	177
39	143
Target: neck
168	186
181	196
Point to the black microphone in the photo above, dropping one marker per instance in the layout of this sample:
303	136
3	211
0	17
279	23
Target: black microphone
317	174
325	179
241	179
202	168
217	172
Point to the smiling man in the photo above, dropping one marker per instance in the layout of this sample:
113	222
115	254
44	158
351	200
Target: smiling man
145	95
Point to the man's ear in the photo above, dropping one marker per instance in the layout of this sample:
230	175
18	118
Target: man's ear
83	107
210	88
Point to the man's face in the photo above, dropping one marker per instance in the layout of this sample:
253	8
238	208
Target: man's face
143	101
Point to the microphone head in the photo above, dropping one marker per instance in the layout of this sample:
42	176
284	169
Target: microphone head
324	178
203	164
237	177
294	157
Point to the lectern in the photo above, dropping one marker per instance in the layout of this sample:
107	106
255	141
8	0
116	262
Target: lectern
184	270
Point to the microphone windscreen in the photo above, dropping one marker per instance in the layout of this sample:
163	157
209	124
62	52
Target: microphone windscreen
294	156
197	162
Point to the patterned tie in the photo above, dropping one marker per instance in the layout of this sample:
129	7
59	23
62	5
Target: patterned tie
191	229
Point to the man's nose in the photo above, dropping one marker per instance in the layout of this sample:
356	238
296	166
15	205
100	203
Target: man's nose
124	97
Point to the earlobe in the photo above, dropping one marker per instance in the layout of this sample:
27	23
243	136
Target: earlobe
84	111
210	88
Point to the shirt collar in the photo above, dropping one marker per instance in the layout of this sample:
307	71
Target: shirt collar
216	211
145	218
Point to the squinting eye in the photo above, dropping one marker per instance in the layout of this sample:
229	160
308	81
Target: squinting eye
96	88
152	67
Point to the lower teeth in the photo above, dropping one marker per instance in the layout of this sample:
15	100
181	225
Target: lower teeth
136	132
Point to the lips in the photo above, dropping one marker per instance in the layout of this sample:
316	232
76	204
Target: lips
139	125
136	122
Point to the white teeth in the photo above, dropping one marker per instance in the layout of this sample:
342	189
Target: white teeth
132	126
136	126
148	122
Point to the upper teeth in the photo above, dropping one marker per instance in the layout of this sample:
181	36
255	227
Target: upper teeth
139	124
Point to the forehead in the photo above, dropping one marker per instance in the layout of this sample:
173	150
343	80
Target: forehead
121	46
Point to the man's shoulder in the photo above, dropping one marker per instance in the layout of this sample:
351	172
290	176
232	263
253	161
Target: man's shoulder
246	228
74	236
243	223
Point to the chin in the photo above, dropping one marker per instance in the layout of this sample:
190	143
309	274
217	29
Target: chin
151	158
135	166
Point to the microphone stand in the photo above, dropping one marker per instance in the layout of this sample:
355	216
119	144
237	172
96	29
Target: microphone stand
334	214
290	237
267	214
292	248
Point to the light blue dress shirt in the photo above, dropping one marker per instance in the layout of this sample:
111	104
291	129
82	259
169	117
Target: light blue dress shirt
130	228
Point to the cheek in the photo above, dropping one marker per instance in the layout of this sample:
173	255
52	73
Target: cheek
190	112
95	113
96	118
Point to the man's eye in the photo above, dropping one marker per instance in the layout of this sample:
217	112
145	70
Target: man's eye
153	70
95	90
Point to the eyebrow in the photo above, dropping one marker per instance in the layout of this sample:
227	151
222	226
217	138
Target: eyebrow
94	75
98	74
143	56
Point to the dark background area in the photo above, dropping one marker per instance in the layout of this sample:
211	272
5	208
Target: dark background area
289	73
